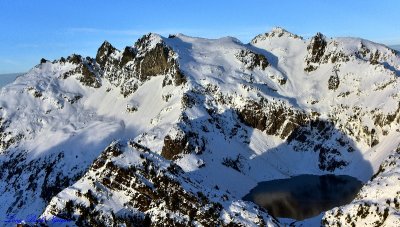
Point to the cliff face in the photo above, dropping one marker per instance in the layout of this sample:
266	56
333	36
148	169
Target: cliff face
177	130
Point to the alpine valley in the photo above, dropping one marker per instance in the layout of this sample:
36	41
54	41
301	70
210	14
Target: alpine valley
176	131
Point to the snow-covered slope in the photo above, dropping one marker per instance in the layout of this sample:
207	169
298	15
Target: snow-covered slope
378	201
177	130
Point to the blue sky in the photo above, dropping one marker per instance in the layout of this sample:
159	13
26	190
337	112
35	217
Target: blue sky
30	30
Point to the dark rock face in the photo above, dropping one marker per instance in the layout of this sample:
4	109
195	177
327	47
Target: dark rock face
89	77
74	59
87	68
157	60
374	58
252	60
272	118
316	50
128	55
261	61
333	82
6	137
186	140
173	147
154	62
179	77
103	53
253	116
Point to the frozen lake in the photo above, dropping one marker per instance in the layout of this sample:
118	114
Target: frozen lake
304	196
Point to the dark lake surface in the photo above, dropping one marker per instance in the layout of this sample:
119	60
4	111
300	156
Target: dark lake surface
304	196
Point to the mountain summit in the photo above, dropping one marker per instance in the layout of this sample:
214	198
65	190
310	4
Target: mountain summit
175	131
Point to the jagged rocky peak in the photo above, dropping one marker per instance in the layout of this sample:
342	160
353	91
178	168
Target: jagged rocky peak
130	68
279	32
104	52
316	49
43	60
75	59
156	58
276	32
148	42
85	68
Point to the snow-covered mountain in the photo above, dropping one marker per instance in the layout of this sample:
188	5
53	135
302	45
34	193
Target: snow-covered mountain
175	131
